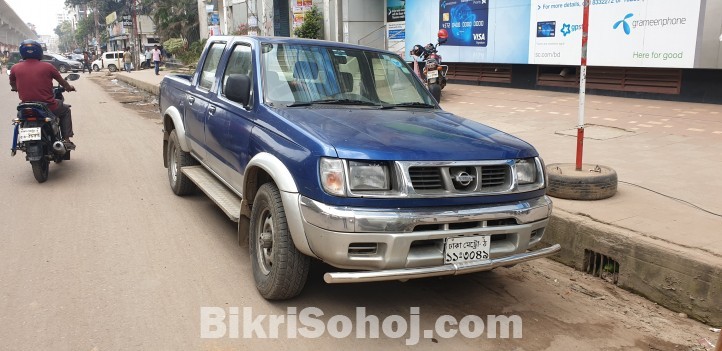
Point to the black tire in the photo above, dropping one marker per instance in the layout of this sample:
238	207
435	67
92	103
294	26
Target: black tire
435	91
41	170
280	271
567	183
112	68
96	68
177	159
63	69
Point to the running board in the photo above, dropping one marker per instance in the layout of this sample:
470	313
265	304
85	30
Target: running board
227	200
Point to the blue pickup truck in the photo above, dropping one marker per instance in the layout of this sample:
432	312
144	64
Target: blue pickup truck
336	152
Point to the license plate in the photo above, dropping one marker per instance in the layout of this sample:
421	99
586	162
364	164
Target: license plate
466	249
28	134
432	74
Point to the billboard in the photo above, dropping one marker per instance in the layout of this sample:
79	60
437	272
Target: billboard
624	33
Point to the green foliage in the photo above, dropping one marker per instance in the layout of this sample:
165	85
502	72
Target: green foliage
189	54
174	18
312	25
65	35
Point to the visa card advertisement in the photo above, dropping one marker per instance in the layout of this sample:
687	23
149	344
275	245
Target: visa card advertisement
465	21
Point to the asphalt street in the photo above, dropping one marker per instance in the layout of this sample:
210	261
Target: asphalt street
103	256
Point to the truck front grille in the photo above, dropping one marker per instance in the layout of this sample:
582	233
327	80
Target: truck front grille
429	180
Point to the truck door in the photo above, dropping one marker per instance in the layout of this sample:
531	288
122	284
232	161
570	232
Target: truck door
229	126
198	97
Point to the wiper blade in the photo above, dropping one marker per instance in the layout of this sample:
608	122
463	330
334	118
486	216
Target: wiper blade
297	104
413	104
344	102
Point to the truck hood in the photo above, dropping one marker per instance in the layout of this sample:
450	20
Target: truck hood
405	134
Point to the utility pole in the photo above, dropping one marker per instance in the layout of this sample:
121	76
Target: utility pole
135	34
97	24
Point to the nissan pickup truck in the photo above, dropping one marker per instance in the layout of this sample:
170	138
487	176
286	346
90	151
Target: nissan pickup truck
335	152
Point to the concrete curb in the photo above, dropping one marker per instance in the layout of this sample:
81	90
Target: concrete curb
149	87
656	271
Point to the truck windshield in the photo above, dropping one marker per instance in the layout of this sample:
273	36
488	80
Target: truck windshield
298	75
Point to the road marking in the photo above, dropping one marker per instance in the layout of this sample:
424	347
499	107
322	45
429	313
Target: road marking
553	113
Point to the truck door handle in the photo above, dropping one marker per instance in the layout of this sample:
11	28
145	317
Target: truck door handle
191	100
212	110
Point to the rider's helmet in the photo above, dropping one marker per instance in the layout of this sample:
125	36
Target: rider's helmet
418	50
443	35
31	49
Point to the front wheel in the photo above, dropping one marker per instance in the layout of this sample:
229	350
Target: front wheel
96	68
63	69
41	169
112	68
279	269
435	90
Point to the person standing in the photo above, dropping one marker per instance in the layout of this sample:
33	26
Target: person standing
86	62
157	57
3	61
148	57
127	59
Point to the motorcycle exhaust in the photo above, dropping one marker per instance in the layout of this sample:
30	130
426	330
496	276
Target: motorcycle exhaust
59	148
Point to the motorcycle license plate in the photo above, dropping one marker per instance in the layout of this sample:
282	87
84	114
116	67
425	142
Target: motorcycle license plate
466	249
432	74
28	134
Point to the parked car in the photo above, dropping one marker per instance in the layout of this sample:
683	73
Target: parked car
61	63
112	60
337	152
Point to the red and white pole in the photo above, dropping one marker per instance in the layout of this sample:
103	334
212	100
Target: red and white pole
582	86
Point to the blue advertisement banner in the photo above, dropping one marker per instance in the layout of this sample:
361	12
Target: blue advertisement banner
465	20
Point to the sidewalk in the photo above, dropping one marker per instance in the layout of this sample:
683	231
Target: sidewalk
663	227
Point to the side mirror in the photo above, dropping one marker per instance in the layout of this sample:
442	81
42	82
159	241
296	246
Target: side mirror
238	88
72	77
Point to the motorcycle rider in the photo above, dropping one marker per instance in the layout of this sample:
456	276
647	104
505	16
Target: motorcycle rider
33	80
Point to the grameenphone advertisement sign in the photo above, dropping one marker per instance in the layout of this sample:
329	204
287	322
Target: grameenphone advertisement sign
624	33
649	33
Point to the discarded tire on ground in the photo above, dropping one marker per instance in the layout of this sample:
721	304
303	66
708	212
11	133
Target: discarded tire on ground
593	182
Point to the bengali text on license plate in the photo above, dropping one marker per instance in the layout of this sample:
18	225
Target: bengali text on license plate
465	249
26	134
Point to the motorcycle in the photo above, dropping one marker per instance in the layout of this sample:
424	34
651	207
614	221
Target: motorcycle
37	133
433	73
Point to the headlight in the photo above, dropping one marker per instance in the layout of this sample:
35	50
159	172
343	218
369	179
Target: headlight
333	177
368	176
526	172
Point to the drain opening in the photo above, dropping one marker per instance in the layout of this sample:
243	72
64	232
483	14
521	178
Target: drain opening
602	266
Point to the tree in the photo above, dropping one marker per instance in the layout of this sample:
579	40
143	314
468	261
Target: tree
65	34
312	25
174	18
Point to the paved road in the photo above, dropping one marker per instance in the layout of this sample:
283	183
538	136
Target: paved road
104	257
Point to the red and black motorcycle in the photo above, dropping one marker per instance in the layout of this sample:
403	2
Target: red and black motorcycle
430	69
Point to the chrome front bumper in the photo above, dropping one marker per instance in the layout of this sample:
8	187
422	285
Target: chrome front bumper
392	244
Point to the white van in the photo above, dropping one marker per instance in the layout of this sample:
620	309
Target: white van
112	60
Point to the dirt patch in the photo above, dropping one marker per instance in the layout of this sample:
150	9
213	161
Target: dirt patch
140	101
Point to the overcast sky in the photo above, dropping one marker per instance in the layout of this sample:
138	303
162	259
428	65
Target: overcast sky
42	13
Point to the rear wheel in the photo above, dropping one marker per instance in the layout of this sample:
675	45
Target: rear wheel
112	68
177	159
63	68
435	90
96	68
41	169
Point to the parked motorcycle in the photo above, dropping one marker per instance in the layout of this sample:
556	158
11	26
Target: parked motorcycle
433	73
37	133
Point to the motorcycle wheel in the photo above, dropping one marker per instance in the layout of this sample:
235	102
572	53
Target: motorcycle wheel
40	170
435	91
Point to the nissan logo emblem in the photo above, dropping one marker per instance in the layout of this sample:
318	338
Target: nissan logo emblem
463	178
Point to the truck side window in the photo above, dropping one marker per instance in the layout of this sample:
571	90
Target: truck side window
208	74
241	62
